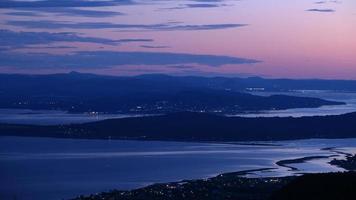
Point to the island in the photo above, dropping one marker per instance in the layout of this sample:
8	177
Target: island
188	126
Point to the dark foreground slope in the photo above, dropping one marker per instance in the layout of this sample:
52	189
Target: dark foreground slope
232	187
228	186
198	127
331	186
349	163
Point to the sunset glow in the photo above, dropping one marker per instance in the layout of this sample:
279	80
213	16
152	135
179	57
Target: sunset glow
287	39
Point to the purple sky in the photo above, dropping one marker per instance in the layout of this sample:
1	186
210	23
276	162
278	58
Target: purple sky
270	38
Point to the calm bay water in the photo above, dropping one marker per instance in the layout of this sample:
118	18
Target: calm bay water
53	117
45	168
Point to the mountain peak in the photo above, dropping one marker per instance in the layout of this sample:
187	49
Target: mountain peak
74	73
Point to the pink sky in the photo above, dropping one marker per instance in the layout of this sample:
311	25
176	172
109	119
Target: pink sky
290	41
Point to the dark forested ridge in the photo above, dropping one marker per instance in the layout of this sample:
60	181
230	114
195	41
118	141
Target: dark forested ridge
155	94
198	127
231	187
349	163
319	187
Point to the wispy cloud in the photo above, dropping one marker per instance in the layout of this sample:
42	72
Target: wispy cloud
127	27
325	2
20	39
62	3
105	59
154	47
320	10
197	5
24	13
64	11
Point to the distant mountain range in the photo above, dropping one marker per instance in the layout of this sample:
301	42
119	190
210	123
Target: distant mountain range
197	127
156	94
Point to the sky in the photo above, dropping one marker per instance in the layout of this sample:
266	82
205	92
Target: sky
267	38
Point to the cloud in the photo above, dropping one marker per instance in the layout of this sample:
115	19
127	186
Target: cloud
79	3
107	59
154	47
181	67
200	5
50	47
320	2
320	10
133	27
204	5
62	3
134	40
208	1
22	13
20	39
64	11
325	2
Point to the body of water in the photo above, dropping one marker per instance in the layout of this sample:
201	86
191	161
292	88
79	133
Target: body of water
46	168
53	117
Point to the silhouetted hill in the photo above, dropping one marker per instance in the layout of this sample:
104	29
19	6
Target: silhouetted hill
349	163
319	187
231	186
198	127
77	92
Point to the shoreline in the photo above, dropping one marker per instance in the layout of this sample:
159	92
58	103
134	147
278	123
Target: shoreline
285	163
226	179
349	163
228	186
233	182
259	172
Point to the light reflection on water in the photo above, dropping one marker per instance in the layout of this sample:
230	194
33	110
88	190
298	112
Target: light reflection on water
53	117
61	168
